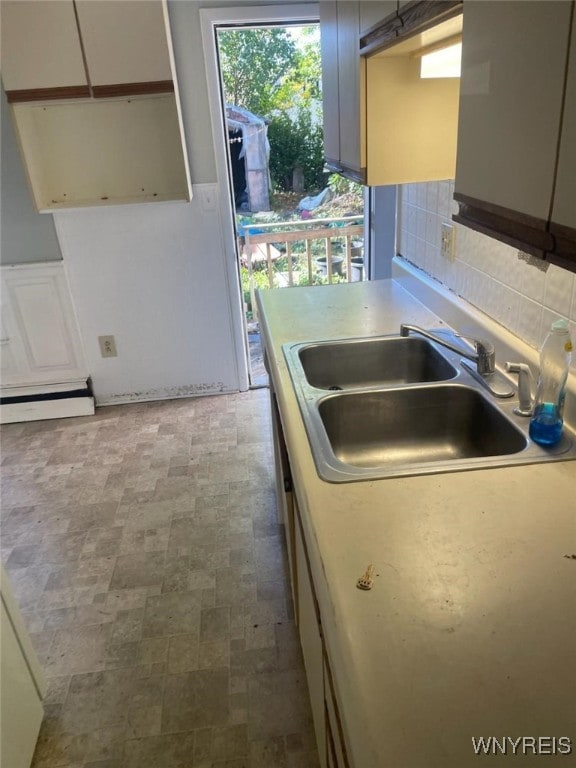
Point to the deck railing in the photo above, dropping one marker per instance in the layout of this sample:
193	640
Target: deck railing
291	244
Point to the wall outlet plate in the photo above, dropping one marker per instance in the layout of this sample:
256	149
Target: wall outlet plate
447	241
107	346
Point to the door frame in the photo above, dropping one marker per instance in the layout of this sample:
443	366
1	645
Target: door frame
210	20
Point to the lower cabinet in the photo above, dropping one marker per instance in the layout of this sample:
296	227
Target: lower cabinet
325	713
310	630
327	723
23	685
43	370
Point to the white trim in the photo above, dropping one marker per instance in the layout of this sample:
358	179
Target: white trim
210	19
45	388
37	410
166	393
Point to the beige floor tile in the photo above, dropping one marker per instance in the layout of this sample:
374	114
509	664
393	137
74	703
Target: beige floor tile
196	700
144	550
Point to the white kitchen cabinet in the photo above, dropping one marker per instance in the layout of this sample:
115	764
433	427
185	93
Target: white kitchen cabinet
43	370
23	685
342	88
41	49
508	139
311	641
103	151
123	141
284	492
563	220
337	754
374	11
383	123
344	82
125	42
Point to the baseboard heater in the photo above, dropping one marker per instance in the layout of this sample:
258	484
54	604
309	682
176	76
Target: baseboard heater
47	405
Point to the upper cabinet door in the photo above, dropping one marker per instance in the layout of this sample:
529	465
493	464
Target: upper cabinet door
330	90
41	48
125	41
564	210
374	11
513	72
351	88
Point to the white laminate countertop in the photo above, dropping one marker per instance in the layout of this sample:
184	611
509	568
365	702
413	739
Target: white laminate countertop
470	629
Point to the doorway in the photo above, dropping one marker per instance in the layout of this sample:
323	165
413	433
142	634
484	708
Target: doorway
213	20
217	21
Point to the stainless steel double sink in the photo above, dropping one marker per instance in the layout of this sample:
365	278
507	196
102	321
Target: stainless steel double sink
394	406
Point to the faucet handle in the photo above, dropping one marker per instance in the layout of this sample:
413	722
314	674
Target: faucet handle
525	406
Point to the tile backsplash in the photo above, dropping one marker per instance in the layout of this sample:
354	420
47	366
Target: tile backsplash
520	292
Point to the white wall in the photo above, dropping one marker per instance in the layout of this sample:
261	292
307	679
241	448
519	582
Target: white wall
520	292
159	277
26	236
154	277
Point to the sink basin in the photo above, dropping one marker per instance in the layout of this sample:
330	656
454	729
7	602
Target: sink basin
416	426
403	406
359	363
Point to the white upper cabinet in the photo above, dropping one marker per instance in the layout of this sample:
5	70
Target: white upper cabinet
383	123
514	59
412	122
344	81
124	41
516	166
342	88
40	46
351	89
564	210
373	11
102	125
330	89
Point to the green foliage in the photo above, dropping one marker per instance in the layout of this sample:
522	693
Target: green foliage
264	70
254	63
276	75
342	186
301	84
296	143
280	268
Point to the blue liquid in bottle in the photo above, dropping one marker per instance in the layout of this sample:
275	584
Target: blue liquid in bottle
546	424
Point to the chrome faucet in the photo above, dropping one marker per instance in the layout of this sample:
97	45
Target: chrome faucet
525	405
484	356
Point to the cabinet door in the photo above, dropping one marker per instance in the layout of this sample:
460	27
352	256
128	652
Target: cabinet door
514	57
336	747
330	95
41	50
564	210
311	641
44	333
372	12
22	711
125	41
351	89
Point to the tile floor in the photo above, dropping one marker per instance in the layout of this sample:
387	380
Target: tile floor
143	547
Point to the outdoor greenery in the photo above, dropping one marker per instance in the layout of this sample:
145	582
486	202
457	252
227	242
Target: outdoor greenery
296	143
280	269
270	74
339	185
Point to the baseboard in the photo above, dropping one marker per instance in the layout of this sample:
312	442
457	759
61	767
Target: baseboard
36	410
166	393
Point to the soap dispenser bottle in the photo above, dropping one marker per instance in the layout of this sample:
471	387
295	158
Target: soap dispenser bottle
555	355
